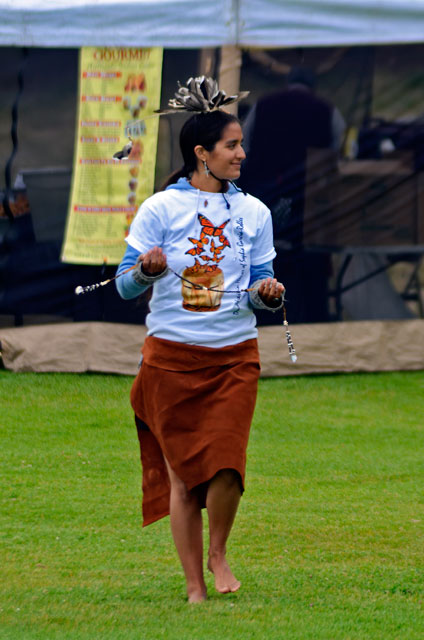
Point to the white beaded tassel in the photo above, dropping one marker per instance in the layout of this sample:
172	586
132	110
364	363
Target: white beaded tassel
292	350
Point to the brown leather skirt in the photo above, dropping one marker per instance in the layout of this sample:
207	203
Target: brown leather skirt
193	405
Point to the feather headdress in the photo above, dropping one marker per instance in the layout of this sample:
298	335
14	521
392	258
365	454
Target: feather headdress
200	95
124	154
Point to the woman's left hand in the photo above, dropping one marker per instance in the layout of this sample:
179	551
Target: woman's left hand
271	291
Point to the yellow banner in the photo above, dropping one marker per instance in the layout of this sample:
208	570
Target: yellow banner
118	87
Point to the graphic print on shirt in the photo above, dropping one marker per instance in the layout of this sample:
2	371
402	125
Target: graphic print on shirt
241	251
208	248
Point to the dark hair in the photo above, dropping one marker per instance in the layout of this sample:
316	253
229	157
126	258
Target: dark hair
203	129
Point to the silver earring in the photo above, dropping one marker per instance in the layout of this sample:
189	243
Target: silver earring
207	170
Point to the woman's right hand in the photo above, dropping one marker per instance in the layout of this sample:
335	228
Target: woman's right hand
154	261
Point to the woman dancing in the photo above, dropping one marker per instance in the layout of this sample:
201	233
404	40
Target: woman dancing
195	392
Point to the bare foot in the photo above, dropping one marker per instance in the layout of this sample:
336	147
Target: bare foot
225	581
197	596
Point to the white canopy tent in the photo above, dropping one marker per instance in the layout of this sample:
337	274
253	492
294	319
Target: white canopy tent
206	23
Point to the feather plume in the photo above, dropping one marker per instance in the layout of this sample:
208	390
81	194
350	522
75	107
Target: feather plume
200	95
124	153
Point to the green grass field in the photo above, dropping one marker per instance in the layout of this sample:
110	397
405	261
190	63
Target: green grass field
328	542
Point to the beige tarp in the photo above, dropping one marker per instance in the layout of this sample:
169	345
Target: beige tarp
321	348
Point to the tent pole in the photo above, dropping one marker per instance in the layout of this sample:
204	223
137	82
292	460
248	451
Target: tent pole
207	62
229	72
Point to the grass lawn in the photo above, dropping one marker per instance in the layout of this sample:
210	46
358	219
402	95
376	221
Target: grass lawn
328	542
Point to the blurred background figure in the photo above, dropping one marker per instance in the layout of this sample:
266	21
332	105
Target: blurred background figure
278	131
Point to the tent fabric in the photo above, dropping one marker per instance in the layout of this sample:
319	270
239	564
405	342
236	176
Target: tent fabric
290	23
194	24
102	347
116	23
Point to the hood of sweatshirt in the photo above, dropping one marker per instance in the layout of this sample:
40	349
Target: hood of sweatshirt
184	185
